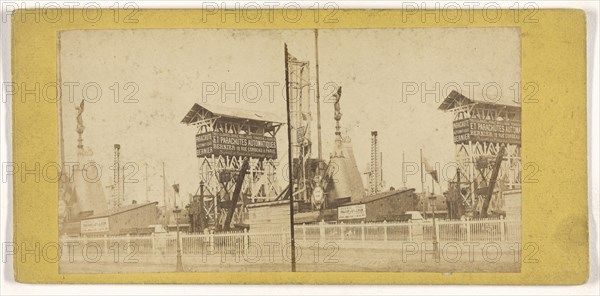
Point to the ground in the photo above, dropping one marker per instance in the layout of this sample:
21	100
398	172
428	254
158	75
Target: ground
410	257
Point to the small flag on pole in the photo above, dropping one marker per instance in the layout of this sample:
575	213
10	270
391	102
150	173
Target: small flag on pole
430	170
176	188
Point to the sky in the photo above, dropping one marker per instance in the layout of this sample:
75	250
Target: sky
139	84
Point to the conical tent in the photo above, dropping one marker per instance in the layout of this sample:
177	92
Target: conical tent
344	177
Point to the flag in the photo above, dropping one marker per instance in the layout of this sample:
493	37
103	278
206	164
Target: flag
434	175
176	188
430	170
338	94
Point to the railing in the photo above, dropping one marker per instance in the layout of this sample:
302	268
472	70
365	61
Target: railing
497	230
166	243
198	244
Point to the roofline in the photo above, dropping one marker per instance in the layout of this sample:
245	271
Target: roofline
456	95
220	115
108	215
366	199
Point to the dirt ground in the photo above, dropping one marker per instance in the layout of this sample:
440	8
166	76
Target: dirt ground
314	257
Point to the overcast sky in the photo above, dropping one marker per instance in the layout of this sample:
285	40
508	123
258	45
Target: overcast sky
171	69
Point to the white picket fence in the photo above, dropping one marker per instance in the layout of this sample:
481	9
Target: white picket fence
198	244
499	230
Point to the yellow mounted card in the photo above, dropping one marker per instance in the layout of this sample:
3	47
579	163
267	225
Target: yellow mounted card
299	146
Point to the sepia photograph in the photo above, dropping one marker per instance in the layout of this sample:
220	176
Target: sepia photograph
329	150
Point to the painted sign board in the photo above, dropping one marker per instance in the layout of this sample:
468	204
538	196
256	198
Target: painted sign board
255	146
352	212
485	130
94	225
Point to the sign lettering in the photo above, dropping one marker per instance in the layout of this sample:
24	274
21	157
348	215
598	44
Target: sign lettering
482	130
254	146
94	225
352	212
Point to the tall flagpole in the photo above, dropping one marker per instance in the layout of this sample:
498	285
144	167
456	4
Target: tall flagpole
290	160
320	149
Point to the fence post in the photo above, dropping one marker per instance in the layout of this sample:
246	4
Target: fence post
468	224
342	229
384	230
502	230
181	241
362	230
436	233
410	238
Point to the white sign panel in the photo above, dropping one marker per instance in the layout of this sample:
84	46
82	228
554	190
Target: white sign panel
352	212
94	225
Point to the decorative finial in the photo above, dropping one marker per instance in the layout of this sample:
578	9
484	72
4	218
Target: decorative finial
338	151
80	126
338	114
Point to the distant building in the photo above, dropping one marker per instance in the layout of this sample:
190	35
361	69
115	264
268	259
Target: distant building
385	206
130	219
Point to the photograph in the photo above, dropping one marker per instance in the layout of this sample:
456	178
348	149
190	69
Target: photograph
309	150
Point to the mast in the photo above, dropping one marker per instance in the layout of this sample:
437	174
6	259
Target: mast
290	160
320	149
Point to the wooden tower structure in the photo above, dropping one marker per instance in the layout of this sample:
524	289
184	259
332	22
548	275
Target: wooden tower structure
480	130
224	138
